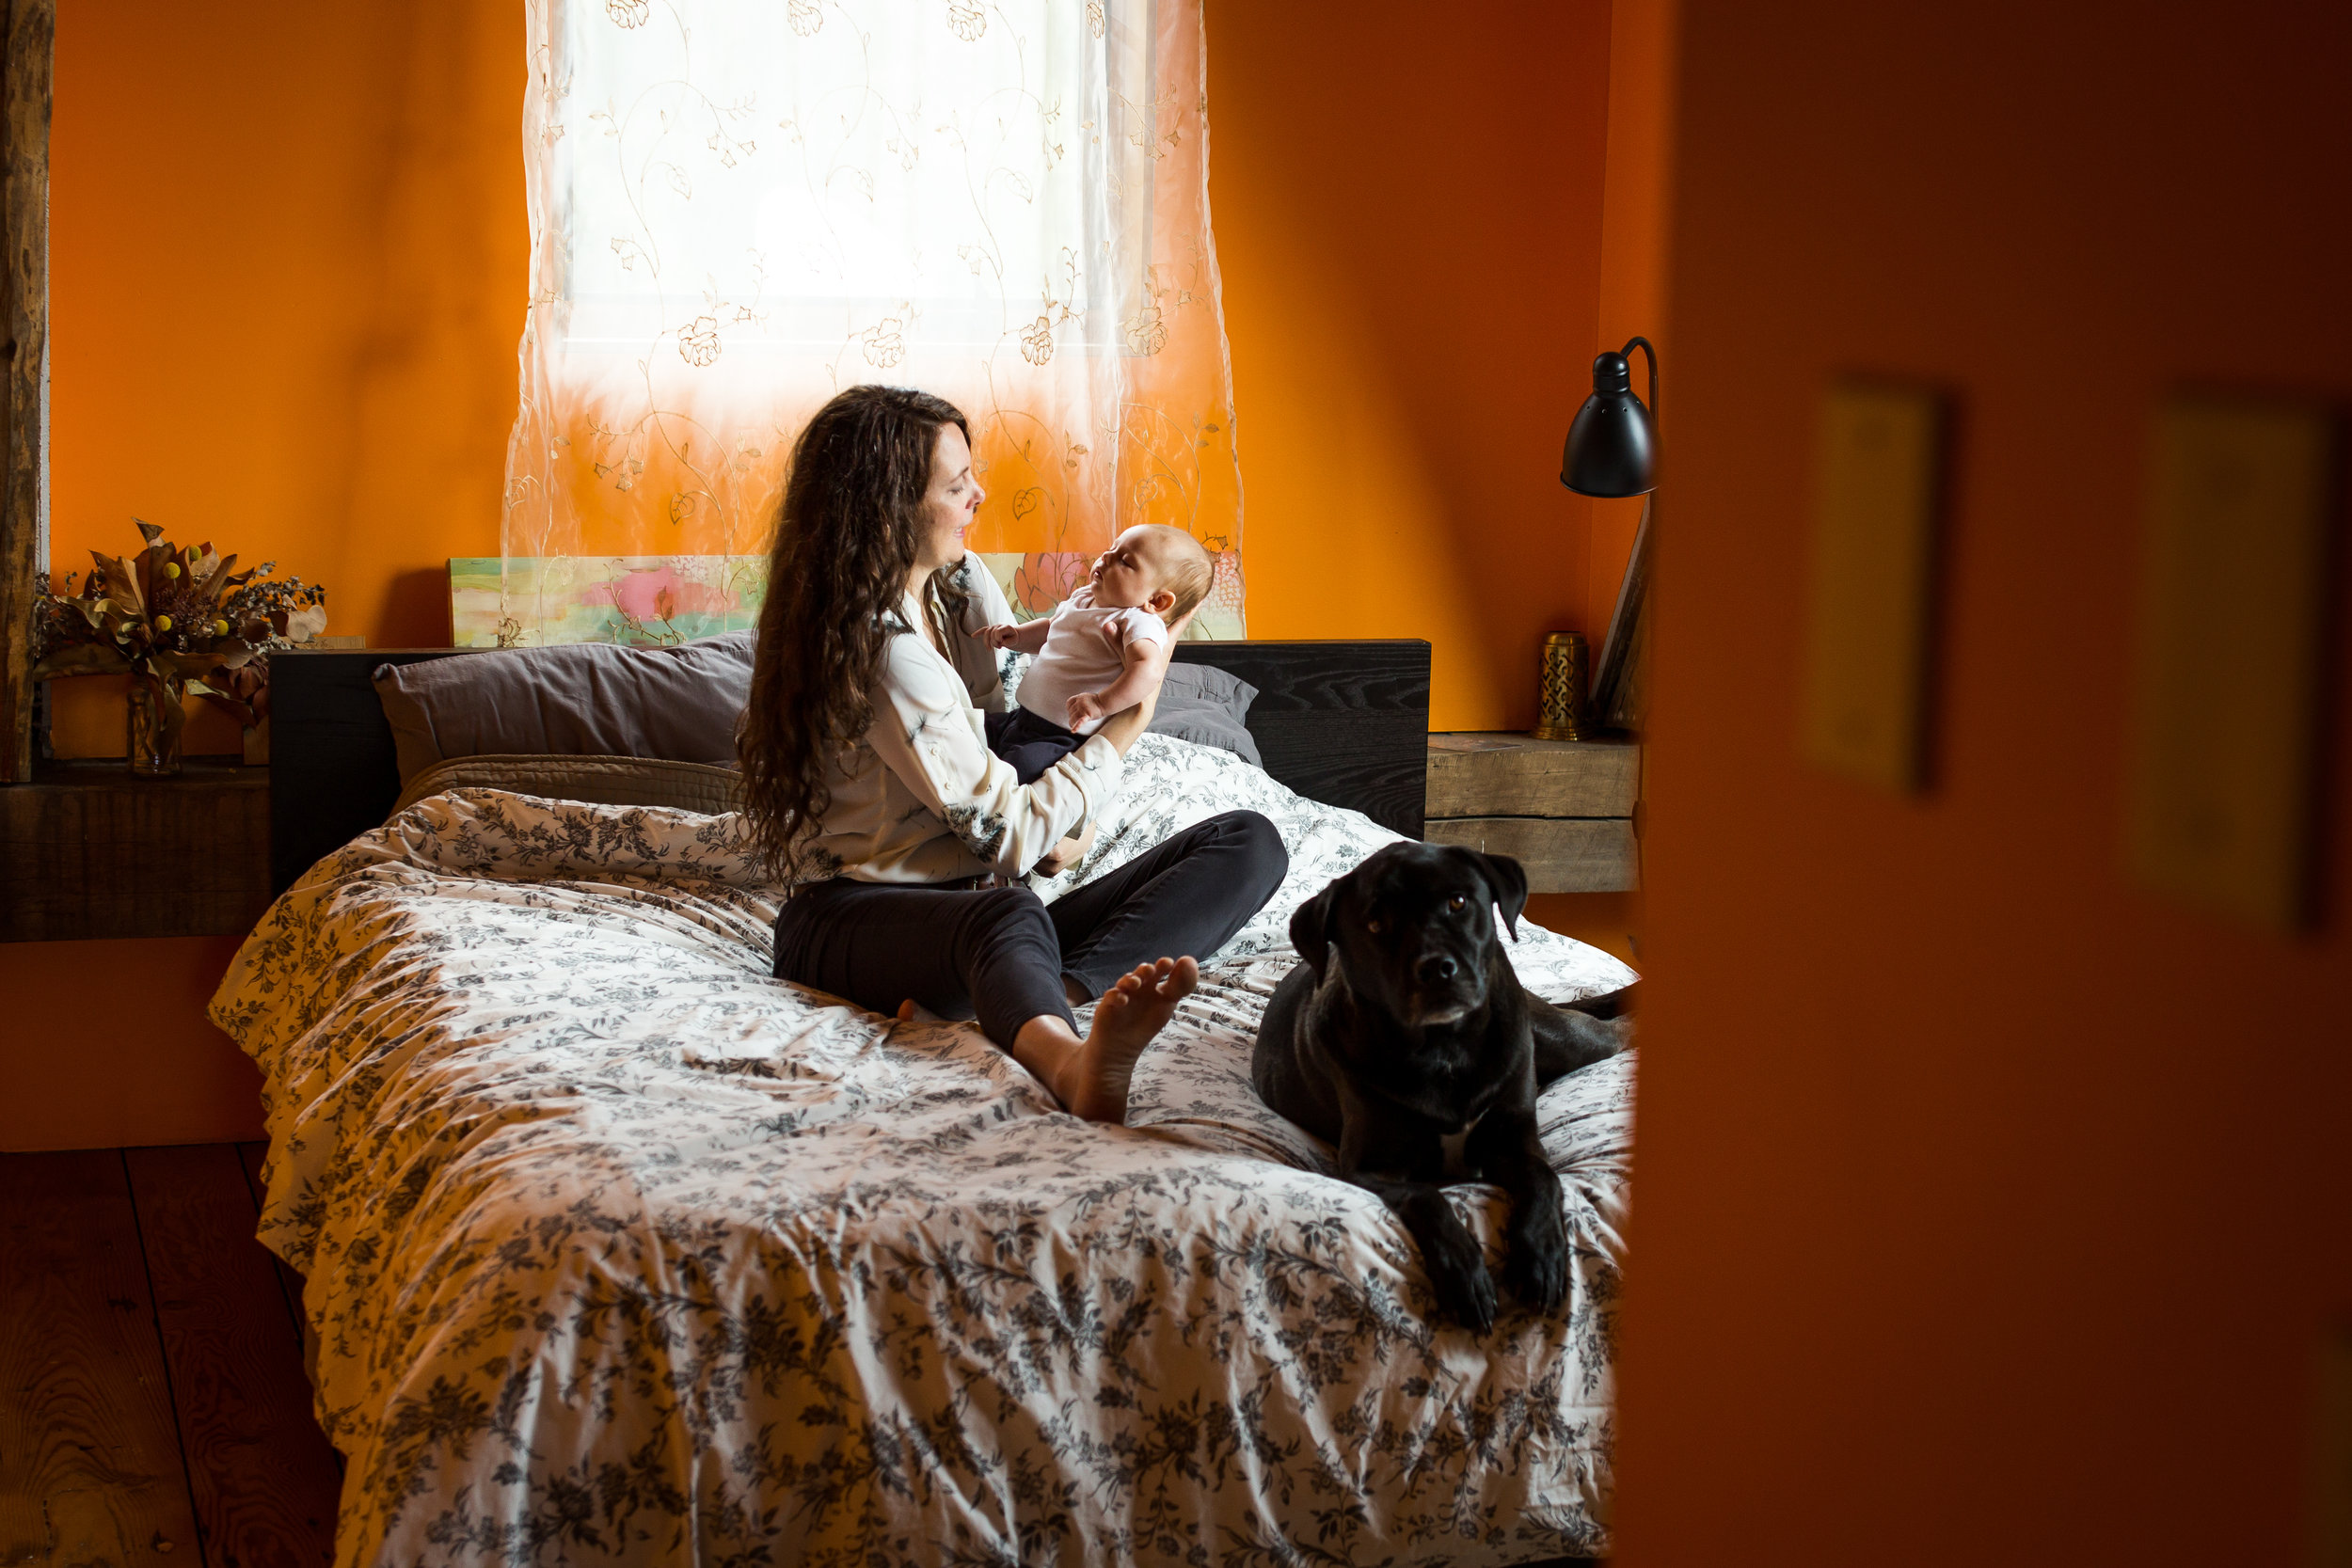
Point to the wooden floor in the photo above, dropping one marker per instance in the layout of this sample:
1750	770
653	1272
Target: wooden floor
152	1403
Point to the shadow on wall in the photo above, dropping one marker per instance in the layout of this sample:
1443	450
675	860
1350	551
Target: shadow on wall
415	613
433	371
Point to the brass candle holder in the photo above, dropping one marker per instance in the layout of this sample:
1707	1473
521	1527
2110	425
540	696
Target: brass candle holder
1561	699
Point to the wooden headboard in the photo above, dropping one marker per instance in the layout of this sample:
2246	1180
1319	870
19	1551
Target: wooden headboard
1342	722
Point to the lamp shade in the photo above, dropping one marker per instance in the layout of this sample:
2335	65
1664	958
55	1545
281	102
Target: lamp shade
1612	445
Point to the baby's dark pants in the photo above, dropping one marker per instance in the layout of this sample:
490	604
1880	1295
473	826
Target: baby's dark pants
1030	745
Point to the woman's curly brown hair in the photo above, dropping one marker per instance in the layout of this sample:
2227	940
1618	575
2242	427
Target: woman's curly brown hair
846	539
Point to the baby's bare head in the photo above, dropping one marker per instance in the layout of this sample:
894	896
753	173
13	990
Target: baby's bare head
1149	559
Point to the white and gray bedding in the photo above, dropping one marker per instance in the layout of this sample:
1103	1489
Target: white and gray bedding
621	1250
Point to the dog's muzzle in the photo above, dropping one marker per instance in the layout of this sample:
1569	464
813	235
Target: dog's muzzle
1443	990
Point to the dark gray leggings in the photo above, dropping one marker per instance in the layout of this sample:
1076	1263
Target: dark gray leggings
1000	953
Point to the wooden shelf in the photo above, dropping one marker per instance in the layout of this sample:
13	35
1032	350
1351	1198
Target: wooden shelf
1563	808
86	850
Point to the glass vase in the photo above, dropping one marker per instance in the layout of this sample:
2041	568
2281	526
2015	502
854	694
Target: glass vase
154	721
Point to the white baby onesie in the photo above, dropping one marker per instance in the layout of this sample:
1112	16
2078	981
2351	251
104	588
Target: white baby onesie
1086	649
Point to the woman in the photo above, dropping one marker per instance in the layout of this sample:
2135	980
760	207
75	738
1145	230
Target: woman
868	777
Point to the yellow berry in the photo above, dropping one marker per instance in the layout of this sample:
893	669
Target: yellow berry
163	623
171	568
221	628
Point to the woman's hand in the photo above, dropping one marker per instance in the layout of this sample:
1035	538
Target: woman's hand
1122	729
1068	852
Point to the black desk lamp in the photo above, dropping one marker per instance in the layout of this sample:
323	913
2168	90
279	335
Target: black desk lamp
1613	450
1613	446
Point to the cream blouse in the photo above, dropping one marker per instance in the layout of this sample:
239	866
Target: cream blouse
920	797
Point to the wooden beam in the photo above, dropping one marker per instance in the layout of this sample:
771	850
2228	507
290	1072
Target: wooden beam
24	283
86	850
1562	854
1506	774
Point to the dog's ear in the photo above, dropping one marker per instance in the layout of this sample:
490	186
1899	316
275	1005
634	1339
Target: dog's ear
1311	929
1508	880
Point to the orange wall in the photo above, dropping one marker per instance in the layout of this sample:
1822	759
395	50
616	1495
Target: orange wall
105	1044
1408	221
287	265
1633	241
1990	1208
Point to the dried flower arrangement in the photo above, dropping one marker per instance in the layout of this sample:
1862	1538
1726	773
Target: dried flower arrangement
175	621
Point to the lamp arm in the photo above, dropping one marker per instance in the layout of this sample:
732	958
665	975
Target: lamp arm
1650	353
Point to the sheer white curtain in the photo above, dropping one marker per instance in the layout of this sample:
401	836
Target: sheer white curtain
739	207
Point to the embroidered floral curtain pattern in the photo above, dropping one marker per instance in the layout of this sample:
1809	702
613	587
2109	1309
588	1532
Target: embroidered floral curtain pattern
739	207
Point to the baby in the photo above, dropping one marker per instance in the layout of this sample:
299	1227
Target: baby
1101	649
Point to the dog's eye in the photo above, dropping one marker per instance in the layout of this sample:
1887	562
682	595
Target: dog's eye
1376	926
1458	903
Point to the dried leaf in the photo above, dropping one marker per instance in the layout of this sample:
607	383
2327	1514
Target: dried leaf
215	582
147	567
227	702
81	658
185	667
122	586
149	530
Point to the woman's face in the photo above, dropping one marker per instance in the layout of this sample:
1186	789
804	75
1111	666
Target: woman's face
954	495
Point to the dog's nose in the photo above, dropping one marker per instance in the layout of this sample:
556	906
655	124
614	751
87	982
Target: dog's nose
1436	969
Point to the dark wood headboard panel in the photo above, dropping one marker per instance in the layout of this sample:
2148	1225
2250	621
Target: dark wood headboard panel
1345	722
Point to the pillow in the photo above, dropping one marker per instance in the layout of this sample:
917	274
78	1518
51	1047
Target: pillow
1204	703
581	699
599	780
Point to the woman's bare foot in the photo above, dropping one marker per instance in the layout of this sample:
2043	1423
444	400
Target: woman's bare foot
1092	1081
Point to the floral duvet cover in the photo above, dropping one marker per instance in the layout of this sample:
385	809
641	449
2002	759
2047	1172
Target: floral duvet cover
620	1250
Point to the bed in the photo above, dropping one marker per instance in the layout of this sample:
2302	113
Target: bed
619	1250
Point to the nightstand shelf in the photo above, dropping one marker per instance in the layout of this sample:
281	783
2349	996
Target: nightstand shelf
88	852
1563	808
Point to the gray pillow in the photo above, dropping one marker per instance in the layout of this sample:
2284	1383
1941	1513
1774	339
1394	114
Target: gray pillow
582	699
601	780
1204	703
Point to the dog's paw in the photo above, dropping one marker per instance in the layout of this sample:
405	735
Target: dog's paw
1537	1277
1457	1271
1537	1270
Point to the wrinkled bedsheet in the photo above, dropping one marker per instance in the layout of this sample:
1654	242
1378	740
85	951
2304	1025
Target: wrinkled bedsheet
620	1250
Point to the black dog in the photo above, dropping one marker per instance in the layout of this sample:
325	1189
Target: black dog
1405	1037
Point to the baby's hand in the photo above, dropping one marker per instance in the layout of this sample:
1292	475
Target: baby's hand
1084	708
997	636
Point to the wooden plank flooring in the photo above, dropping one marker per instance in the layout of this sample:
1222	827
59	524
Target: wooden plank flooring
152	1401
